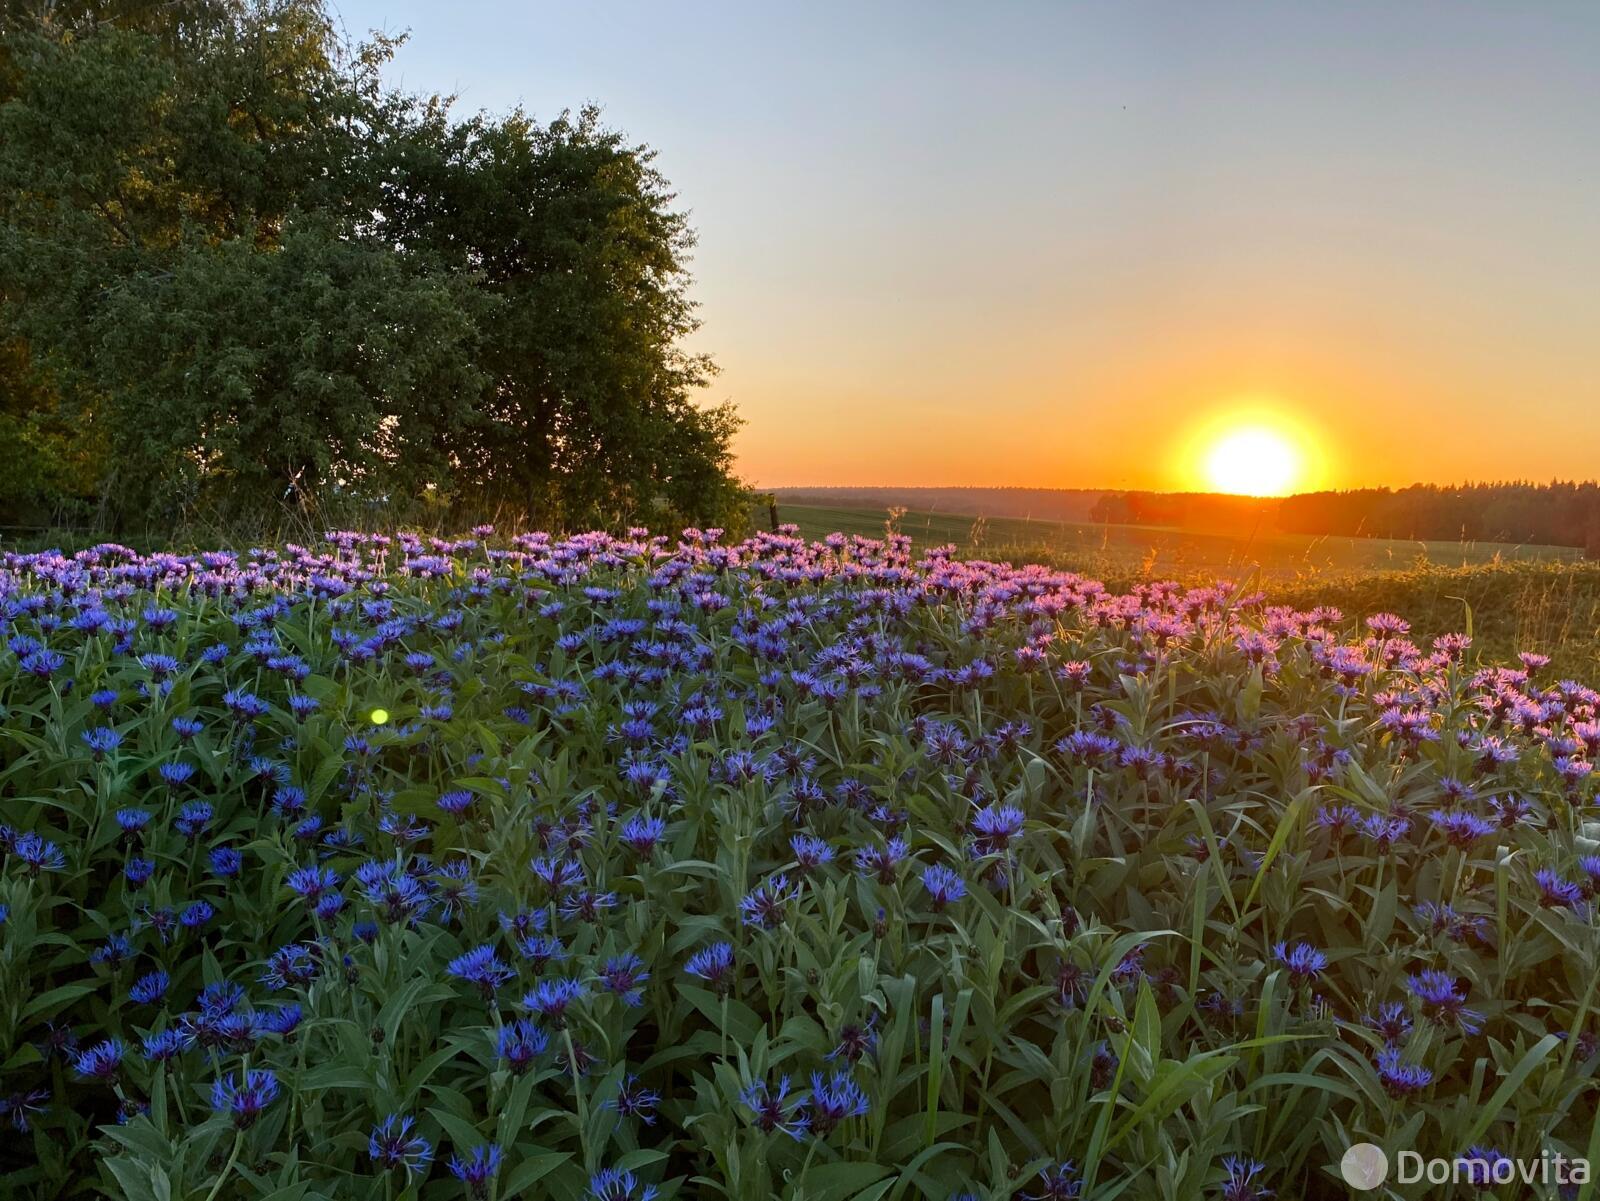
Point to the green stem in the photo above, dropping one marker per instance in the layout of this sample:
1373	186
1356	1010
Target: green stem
577	1087
238	1142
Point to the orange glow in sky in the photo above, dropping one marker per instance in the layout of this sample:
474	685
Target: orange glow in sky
1093	246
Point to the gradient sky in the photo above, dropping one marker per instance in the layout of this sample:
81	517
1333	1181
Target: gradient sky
1052	244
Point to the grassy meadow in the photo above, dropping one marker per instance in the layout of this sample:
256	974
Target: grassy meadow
1514	597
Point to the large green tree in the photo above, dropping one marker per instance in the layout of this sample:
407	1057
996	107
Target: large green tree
238	276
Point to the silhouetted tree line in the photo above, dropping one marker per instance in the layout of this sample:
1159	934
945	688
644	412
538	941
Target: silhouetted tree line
1561	513
1192	510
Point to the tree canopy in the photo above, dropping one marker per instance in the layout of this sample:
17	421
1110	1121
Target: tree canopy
238	273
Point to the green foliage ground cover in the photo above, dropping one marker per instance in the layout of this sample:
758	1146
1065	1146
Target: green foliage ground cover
810	869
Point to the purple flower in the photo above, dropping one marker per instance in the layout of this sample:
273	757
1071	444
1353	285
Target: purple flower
993	828
624	975
1058	1183
520	1044
774	1109
634	1100
766	906
391	1144
101	1061
641	834
149	989
612	1184
1444	1001
246	1100
1238	1183
550	999
1303	960
477	1169
833	1100
483	967
944	885
1401	1079
713	964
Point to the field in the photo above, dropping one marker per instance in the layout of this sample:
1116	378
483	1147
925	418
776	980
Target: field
1538	598
1115	552
624	869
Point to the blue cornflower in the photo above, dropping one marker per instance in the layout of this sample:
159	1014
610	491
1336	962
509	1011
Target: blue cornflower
132	821
1481	1164
225	861
520	1044
993	828
944	885
294	965
220	996
114	952
713	964
149	989
160	666
634	1100
282	1019
391	1144
102	740
187	727
641	833
767	905
312	882
103	698
1392	1021
101	1061
455	803
1238	1182
1556	892
611	1184
158	1048
137	871
174	774
1444	1001
37	855
483	967
193	819
774	1109
551	998
1460	828
397	896
477	1169
810	852
160	619
43	663
245	1101
1057	1183
1401	1079
882	862
624	975
833	1100
196	915
1303	960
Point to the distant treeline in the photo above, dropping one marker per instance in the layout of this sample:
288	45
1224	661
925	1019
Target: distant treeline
1560	513
1190	510
1040	504
1556	514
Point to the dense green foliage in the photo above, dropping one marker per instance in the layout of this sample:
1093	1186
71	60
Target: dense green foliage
241	281
814	870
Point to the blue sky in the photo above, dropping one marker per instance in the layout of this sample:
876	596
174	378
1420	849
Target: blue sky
1049	243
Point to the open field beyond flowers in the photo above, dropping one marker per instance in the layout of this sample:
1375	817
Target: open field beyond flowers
630	868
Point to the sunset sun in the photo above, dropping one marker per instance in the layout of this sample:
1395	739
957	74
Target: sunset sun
1253	461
